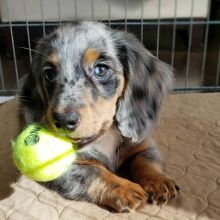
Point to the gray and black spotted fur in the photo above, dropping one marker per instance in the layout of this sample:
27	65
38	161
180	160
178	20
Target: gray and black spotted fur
146	81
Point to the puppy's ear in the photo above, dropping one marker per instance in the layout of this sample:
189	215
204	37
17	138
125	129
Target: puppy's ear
31	95
148	82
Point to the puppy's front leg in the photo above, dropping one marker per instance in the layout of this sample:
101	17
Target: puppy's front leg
146	170
118	193
89	180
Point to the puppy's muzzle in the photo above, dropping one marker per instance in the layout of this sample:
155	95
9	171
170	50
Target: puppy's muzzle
68	121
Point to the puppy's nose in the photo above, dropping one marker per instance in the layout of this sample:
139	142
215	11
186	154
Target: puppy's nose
68	120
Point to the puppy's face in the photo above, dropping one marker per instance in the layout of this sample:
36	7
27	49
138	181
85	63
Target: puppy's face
80	79
85	76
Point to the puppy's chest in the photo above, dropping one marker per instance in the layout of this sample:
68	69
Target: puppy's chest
110	150
106	149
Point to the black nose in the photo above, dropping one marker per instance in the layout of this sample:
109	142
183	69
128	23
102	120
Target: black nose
68	120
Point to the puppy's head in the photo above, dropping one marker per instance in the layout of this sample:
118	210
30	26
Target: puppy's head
86	76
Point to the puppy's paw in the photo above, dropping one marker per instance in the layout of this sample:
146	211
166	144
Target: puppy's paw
125	197
160	190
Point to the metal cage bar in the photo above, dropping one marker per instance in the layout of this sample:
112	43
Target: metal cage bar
42	16
142	20
109	13
188	60
218	70
158	28
126	16
174	34
92	10
28	32
205	43
59	11
2	76
76	12
13	46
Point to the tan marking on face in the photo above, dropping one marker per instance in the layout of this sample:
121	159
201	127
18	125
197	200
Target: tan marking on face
41	90
91	55
49	118
97	115
125	84
54	59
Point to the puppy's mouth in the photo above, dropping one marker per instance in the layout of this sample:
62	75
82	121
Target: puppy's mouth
80	142
77	139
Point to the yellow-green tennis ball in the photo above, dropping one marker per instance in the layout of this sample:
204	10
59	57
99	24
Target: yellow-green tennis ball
41	155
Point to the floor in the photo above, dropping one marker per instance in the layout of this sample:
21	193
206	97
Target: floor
189	140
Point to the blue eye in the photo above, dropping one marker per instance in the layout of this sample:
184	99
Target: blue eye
101	71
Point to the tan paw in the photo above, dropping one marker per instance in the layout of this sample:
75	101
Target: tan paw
160	190
124	197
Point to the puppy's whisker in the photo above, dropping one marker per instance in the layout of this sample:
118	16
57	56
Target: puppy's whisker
35	51
28	99
23	96
25	100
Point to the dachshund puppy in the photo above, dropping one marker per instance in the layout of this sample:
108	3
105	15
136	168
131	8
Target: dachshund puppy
104	90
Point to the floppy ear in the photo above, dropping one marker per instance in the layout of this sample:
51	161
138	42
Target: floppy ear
148	82
33	97
30	94
30	100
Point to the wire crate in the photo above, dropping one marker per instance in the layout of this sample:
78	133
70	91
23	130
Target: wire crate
184	34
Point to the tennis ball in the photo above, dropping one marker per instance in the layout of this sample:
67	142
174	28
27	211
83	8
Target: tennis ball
41	155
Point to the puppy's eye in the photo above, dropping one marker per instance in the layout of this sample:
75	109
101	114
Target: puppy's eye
101	71
50	74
